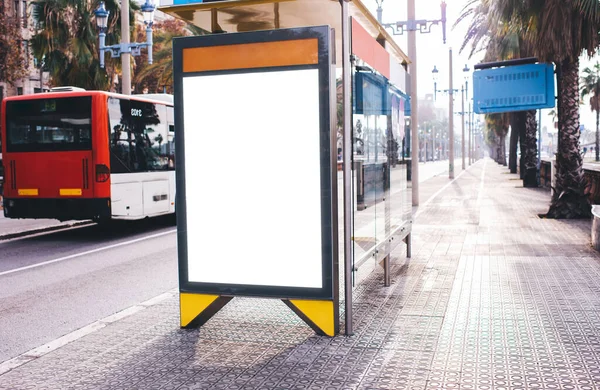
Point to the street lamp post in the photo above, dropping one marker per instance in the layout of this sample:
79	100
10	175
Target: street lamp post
462	120
435	72
412	26
124	49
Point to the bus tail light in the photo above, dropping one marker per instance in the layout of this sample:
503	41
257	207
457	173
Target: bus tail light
102	173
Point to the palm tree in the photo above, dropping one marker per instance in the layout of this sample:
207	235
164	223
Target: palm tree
590	85
560	31
158	76
66	42
502	40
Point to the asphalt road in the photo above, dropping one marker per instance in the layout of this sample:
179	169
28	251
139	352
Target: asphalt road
52	284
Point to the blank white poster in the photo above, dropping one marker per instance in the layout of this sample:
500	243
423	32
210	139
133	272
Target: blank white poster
253	191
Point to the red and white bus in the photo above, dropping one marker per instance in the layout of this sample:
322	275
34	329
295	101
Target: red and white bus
96	155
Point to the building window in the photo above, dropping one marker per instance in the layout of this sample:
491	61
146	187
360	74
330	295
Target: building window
24	12
25	51
19	91
16	11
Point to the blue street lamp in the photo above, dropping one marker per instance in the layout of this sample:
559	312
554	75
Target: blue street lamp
134	48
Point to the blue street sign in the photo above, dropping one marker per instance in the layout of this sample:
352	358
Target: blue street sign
513	88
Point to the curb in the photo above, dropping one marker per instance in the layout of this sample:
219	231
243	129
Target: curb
38	352
10	236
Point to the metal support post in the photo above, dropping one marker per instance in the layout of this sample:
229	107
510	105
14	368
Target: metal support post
470	136
414	105
462	119
347	166
451	121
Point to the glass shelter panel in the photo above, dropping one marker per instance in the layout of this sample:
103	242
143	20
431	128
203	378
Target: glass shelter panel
380	173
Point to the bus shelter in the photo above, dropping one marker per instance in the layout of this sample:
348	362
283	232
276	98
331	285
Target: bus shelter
292	131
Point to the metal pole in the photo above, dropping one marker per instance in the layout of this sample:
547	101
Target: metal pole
149	42
470	136
414	117
433	142
540	140
451	122
102	39
462	119
125	56
346	166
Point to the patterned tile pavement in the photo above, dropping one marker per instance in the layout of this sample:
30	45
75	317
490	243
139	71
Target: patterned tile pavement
494	297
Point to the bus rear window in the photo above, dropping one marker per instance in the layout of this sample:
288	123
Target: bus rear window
45	125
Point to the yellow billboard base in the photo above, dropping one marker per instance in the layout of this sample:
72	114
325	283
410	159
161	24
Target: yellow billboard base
319	315
196	309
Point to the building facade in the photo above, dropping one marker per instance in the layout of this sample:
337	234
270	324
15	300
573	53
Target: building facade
36	81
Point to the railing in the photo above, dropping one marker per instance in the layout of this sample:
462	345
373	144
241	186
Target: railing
591	174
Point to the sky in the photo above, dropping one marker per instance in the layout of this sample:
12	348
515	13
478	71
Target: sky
431	51
430	47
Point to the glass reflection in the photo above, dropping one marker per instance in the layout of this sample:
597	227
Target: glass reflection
380	176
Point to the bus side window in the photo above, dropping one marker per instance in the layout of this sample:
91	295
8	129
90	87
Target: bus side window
120	159
149	128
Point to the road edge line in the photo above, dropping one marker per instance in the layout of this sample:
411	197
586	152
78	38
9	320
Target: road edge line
55	344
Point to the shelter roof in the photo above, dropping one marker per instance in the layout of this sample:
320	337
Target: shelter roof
254	15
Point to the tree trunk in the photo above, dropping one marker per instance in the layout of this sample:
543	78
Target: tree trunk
522	141
569	199
514	140
504	161
502	151
530	150
496	150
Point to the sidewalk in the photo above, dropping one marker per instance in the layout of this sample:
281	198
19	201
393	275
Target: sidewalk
493	297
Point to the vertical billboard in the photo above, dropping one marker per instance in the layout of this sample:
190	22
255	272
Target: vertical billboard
255	164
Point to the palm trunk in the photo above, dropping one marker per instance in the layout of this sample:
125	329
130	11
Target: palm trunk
502	150
569	199
504	162
514	140
530	150
522	142
498	150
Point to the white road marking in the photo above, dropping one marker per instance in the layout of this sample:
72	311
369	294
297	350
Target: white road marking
53	345
12	271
